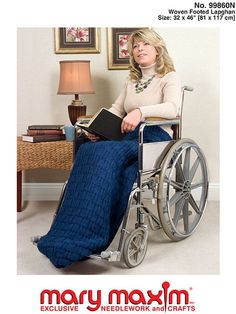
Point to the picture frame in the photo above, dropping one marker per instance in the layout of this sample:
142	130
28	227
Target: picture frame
77	40
118	56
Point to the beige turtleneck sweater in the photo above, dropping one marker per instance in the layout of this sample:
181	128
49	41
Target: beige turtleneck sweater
161	98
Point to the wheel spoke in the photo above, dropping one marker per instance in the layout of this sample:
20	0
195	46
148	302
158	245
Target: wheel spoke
186	216
187	163
135	243
194	204
176	185
134	248
196	185
194	169
132	252
175	198
178	209
179	172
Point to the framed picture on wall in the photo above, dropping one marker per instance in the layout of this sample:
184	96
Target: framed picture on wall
77	40
118	56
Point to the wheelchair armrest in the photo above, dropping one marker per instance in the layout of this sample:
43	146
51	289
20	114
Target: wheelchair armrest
161	121
157	121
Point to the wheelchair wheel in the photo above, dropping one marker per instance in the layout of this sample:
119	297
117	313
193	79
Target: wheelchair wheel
182	189
135	247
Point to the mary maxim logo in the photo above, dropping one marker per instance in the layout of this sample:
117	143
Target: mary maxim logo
166	299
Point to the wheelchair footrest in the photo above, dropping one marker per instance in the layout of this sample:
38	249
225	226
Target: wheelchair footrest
111	256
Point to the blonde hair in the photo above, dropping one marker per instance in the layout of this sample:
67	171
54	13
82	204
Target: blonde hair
164	63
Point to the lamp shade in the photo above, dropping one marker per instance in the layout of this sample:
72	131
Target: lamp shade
75	78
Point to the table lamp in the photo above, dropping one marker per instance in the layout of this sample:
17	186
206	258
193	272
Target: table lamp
75	79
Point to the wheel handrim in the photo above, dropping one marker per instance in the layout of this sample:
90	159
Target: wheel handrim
186	185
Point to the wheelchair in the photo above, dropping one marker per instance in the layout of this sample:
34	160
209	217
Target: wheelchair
174	175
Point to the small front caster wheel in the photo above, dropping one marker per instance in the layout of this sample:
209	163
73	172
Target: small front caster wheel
135	247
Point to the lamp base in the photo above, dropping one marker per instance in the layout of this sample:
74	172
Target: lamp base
75	112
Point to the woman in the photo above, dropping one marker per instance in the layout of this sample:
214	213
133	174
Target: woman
104	171
153	88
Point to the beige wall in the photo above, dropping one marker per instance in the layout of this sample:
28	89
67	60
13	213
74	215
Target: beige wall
195	52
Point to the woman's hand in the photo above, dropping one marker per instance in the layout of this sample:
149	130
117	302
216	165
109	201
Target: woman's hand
93	137
130	121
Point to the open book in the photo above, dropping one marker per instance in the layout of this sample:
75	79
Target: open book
104	124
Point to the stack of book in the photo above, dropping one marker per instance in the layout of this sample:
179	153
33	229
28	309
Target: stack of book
44	133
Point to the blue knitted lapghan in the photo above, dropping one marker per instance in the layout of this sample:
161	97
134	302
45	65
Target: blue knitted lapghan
96	198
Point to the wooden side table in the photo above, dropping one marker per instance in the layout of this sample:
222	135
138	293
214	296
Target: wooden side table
52	155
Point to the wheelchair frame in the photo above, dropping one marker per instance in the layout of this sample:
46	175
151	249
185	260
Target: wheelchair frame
172	170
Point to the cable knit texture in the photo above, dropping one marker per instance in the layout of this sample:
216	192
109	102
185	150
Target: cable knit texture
95	198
